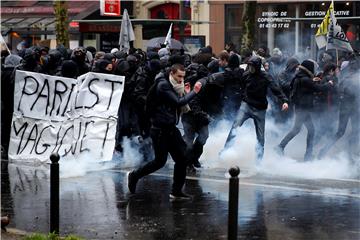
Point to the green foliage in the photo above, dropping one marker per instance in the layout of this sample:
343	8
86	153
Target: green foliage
36	236
248	26
50	236
61	22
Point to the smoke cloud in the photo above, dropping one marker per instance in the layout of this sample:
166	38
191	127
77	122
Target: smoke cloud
242	153
130	158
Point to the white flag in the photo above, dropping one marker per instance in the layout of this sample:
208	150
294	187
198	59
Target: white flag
168	37
126	32
336	37
3	43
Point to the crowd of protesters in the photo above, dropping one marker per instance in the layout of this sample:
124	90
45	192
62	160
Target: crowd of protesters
323	95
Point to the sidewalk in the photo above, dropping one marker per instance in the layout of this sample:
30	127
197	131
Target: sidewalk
13	234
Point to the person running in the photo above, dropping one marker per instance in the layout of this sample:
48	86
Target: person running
167	99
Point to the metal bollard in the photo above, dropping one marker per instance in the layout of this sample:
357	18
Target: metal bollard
54	193
233	203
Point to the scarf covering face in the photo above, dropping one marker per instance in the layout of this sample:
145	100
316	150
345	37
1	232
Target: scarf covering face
180	90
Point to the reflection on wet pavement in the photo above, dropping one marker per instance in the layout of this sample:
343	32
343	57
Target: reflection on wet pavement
98	206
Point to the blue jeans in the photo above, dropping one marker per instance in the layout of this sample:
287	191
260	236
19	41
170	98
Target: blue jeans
258	115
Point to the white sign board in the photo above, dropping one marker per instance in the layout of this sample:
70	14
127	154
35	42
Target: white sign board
69	116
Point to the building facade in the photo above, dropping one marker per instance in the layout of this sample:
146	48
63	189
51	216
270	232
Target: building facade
290	25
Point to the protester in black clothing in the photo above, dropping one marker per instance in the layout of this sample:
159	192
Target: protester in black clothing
30	61
104	66
303	89
52	63
285	78
196	121
127	123
78	56
255	84
7	100
69	69
349	108
167	103
231	95
326	104
145	77
277	63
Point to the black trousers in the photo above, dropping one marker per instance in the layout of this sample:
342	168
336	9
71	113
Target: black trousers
302	117
347	112
165	141
195	136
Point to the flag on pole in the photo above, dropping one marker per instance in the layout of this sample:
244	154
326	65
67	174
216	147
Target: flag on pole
126	32
3	43
320	36
336	38
168	37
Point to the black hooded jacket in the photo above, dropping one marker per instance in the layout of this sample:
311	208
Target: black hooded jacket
167	103
255	86
286	76
304	88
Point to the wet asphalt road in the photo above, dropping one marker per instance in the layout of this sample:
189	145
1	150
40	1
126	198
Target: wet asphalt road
97	205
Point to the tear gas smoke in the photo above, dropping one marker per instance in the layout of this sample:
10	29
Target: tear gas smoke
130	158
242	153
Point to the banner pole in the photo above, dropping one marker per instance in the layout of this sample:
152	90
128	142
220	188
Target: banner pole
337	57
7	48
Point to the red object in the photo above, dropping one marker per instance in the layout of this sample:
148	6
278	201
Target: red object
171	11
99	28
74	24
351	36
111	7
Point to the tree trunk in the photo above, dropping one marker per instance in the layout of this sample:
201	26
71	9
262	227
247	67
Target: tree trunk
248	26
61	21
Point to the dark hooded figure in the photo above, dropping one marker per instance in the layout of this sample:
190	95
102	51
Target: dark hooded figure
326	105
52	65
285	79
349	110
79	56
231	96
127	118
287	75
63	51
303	88
196	121
30	61
7	100
69	69
255	84
104	66
4	54
145	77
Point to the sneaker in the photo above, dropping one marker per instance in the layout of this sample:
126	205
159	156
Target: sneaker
180	196
132	181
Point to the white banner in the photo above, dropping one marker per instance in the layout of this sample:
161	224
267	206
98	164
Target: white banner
73	117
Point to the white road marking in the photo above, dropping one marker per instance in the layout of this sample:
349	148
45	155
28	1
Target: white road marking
246	183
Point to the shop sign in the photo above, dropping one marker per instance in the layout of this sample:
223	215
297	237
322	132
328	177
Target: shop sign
110	7
320	14
274	19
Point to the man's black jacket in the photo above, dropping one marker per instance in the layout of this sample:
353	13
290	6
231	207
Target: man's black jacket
255	88
166	111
